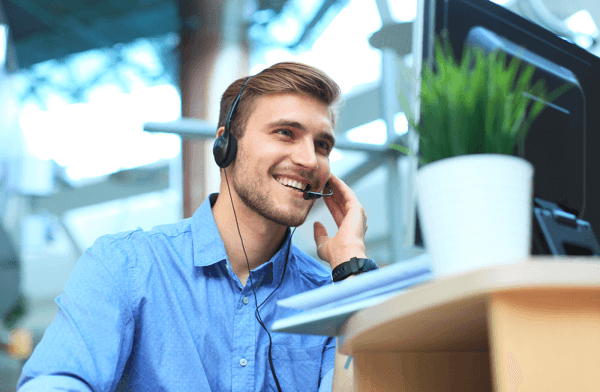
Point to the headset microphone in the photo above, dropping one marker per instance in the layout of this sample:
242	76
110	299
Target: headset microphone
315	195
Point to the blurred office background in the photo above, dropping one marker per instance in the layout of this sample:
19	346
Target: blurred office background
108	111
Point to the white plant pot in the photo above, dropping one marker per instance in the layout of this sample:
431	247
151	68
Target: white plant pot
475	211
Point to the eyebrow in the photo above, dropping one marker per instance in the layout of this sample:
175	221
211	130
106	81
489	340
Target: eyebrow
295	124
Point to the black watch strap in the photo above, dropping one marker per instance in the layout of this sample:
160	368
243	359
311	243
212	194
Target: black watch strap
353	267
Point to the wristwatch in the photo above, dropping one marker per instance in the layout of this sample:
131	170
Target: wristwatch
355	266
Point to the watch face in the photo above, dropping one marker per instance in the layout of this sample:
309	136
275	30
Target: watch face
368	265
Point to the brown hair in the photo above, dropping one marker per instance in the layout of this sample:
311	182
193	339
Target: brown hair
287	77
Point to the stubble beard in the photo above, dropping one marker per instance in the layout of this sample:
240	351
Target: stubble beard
255	196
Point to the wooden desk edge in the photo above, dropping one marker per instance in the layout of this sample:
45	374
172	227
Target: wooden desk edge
471	289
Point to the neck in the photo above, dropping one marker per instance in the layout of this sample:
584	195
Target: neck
261	237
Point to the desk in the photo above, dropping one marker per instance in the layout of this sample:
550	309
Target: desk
531	326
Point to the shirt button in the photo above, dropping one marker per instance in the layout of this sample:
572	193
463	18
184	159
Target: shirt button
243	362
245	300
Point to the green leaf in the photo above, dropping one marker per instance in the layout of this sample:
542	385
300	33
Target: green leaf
479	105
406	151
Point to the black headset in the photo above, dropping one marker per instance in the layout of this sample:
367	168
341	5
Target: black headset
225	147
224	151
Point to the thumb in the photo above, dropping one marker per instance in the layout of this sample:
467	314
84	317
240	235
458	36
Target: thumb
320	236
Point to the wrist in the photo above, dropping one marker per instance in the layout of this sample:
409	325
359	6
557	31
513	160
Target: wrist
347	254
354	266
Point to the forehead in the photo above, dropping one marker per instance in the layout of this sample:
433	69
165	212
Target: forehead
303	109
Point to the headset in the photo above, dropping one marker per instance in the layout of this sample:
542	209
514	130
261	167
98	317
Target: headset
224	151
225	147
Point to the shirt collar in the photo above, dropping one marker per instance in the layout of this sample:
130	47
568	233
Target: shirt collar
209	249
208	246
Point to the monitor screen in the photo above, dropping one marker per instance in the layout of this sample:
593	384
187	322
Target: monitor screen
563	142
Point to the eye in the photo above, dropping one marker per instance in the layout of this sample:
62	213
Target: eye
323	145
285	132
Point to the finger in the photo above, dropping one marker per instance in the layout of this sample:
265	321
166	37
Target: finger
345	196
337	193
337	211
337	198
346	201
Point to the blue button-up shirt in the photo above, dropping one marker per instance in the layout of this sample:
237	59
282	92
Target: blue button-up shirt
163	311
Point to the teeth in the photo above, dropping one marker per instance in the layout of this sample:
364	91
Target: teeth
292	183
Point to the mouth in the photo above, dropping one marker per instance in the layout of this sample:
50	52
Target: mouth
299	186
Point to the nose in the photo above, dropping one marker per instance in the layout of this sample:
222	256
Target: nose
304	154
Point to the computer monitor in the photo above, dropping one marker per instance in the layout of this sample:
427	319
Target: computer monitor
563	143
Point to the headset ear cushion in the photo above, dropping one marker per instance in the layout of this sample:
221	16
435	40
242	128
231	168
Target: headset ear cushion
223	153
225	147
233	146
218	150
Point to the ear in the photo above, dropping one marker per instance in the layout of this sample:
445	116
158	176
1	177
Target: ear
220	131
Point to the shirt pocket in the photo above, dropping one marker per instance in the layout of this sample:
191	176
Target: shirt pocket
297	368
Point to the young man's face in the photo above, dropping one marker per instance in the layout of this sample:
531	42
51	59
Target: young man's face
288	137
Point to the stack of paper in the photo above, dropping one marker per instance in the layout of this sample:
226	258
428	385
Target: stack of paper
328	307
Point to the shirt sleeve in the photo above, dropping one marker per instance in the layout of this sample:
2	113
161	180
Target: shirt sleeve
88	343
326	381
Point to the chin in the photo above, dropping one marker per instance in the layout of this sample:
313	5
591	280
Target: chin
282	212
287	219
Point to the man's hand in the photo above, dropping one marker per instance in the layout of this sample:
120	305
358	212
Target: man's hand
351	221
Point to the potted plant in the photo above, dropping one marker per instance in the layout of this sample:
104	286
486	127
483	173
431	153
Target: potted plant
474	197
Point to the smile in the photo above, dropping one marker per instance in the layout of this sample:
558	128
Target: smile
300	186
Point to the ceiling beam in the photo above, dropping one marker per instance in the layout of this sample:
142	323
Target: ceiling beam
120	185
69	25
384	12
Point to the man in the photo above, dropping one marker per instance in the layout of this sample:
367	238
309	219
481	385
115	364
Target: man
175	308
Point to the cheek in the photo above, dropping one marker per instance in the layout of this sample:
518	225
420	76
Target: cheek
267	152
256	155
324	170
